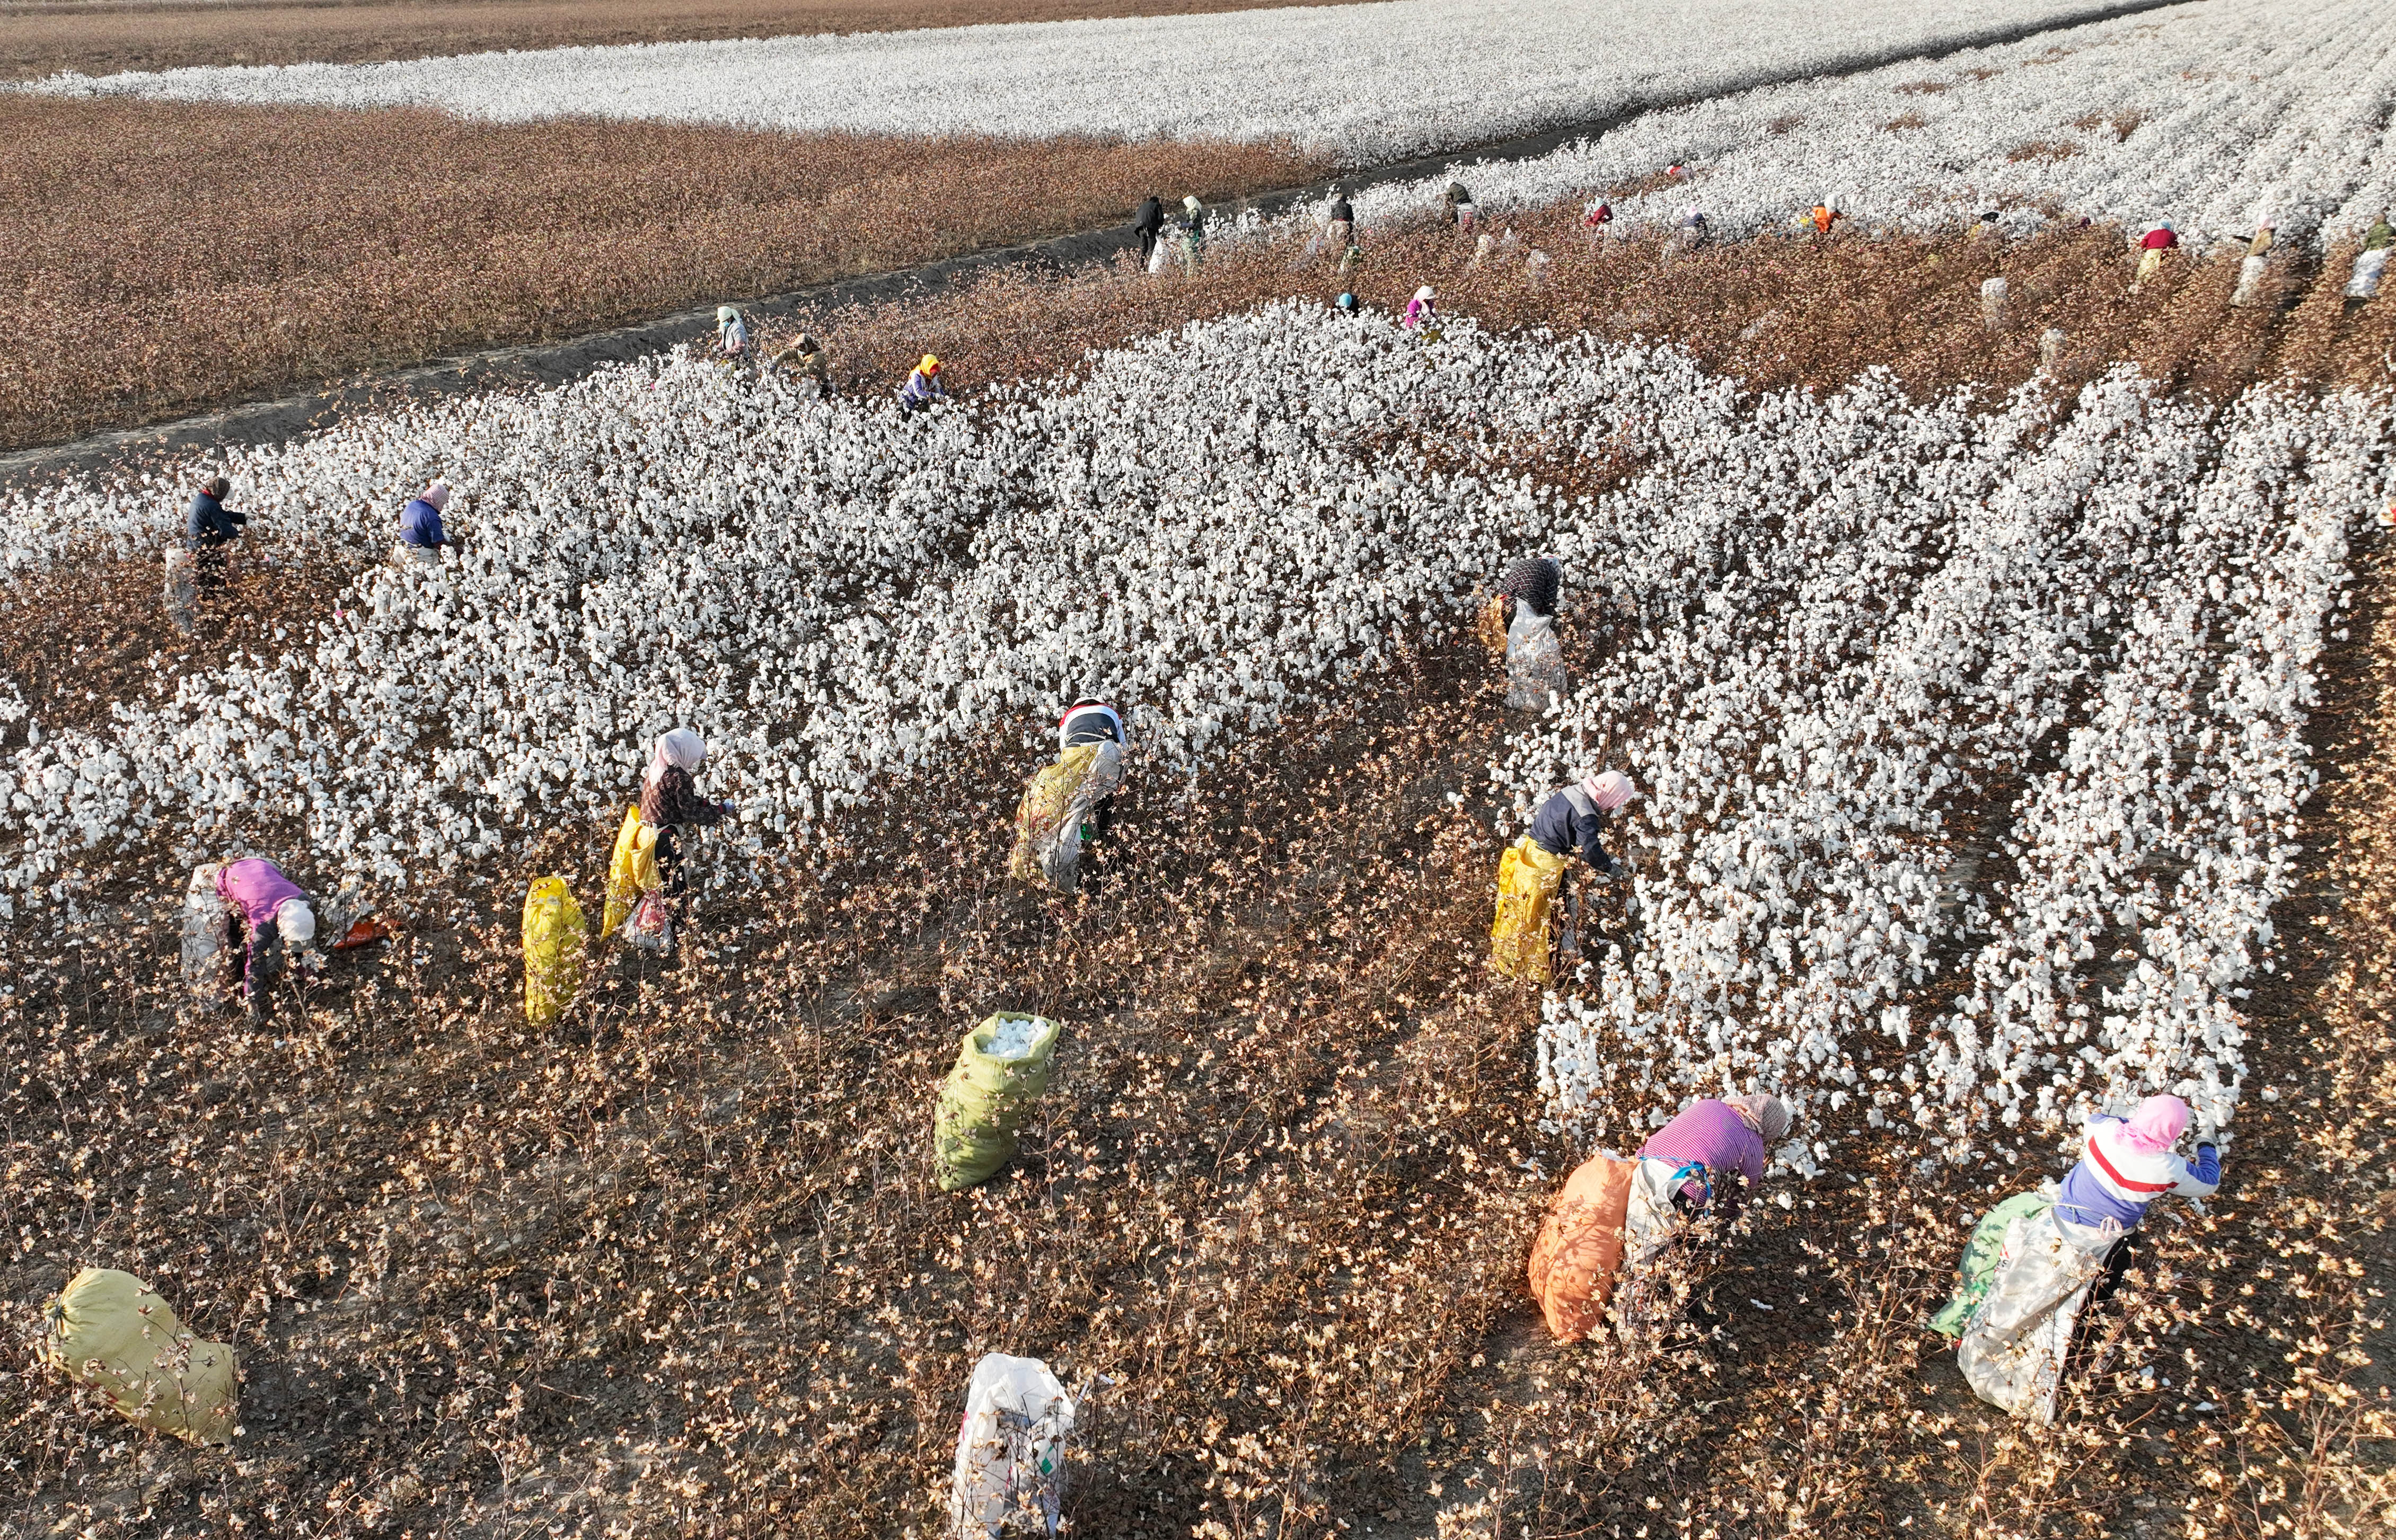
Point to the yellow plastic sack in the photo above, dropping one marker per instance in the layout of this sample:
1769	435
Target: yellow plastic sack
1490	627
1527	879
108	1329
631	872
553	949
1041	817
1001	1071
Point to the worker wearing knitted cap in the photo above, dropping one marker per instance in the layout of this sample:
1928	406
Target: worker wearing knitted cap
923	387
1570	822
670	800
267	916
1729	1137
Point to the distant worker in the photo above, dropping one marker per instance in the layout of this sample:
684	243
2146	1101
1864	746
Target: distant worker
1597	216
1341	227
1345	304
1193	231
1148	223
2251	272
1730	1138
420	533
669	802
1069	807
1422	310
1824	216
210	529
2162	238
1456	206
806	359
267	918
1520	626
1530	875
731	334
923	387
1985	227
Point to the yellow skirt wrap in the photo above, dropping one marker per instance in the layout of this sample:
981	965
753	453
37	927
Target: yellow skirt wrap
554	947
1527	879
631	872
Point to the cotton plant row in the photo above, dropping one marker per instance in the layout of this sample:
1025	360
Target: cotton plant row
1212	527
1833	750
2219	117
1367	83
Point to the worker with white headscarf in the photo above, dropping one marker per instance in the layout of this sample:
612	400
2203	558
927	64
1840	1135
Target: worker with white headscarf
731	333
670	800
267	917
1421	312
1530	875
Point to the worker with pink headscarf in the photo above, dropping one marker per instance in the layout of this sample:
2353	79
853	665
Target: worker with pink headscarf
2127	1163
1571	821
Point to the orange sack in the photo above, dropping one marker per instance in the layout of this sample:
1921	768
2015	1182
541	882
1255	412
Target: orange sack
1578	1253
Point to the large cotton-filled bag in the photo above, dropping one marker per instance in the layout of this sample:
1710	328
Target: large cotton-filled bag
2013	1349
631	870
1050	823
204	937
1978	1269
1614	1215
553	949
1010	1447
110	1330
1519	945
1001	1071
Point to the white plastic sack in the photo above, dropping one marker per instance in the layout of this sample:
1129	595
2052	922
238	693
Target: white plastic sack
2012	1350
1650	1227
405	554
204	937
1534	660
2250	280
183	590
2364	283
1992	303
1011	1447
1157	258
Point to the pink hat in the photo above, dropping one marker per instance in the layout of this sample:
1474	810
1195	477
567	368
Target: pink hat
2157	1125
1609	790
437	494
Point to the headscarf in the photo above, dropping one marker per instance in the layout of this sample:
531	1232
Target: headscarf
930	365
1766	1114
296	922
2157	1125
438	496
1536	581
726	314
680	750
1191	203
1425	292
1609	790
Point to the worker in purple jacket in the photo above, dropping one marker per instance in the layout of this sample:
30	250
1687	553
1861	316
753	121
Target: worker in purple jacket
1726	1137
265	914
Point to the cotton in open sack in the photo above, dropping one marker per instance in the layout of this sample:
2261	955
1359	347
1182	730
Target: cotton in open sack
110	1330
631	870
553	949
1534	661
1001	1071
1615	1212
1519	945
1051	824
1010	1448
2013	1349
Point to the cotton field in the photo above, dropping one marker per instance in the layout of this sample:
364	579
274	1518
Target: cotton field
1370	82
1875	647
2219	117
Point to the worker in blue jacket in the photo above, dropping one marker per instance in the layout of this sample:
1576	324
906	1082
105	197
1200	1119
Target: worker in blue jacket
420	524
209	527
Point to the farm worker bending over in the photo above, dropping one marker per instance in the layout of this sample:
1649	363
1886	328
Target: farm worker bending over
1728	1137
209	526
805	358
1521	625
1456	205
1342	224
669	800
2034	1263
923	387
1824	217
2371	263
1193	230
1345	304
1148	224
420	524
1600	214
1422	310
1532	872
265	914
731	332
2158	241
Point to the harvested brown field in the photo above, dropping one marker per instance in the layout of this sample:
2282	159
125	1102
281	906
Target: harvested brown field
166	257
103	36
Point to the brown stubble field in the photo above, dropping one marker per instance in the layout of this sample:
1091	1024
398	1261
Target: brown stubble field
167	258
677	1266
45	38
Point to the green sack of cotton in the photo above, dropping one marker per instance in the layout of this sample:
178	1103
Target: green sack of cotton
1001	1069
